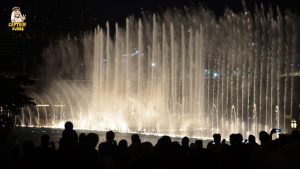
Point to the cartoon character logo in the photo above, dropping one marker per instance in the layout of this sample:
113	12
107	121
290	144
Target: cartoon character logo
16	15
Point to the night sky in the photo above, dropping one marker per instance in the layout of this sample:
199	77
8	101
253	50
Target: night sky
54	13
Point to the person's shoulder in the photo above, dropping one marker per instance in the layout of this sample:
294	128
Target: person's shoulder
210	143
74	132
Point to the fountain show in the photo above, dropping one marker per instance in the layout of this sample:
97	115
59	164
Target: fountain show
180	70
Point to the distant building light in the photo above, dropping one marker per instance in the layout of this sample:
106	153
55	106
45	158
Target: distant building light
293	124
59	105
42	105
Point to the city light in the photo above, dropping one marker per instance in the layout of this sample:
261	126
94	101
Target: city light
59	105
293	124
42	105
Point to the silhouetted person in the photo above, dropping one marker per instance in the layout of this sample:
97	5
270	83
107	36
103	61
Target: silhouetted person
235	155
90	155
214	149
110	137
264	138
107	150
235	140
145	159
68	146
122	146
273	157
122	155
82	142
201	157
258	157
215	145
185	146
69	136
146	149
199	143
194	155
252	140
135	139
135	147
44	153
162	152
92	140
292	149
185	142
239	139
82	138
178	155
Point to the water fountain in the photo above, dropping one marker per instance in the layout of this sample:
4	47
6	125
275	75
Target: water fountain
178	74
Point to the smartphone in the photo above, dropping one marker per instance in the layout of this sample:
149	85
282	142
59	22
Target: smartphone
276	133
278	130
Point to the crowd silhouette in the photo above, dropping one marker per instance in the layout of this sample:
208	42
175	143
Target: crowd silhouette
82	152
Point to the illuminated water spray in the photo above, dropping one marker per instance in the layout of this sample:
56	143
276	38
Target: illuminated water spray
175	74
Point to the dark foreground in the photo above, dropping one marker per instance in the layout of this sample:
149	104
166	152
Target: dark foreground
84	151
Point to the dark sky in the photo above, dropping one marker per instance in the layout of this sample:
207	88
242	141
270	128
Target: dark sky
117	9
80	15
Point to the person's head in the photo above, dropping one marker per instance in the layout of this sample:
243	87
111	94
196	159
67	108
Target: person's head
199	143
217	138
135	138
251	139
92	140
45	139
122	144
68	126
185	141
110	136
146	148
82	138
239	138
164	141
232	139
264	137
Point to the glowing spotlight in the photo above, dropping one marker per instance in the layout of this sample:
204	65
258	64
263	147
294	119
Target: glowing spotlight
59	105
153	64
215	75
42	105
293	124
